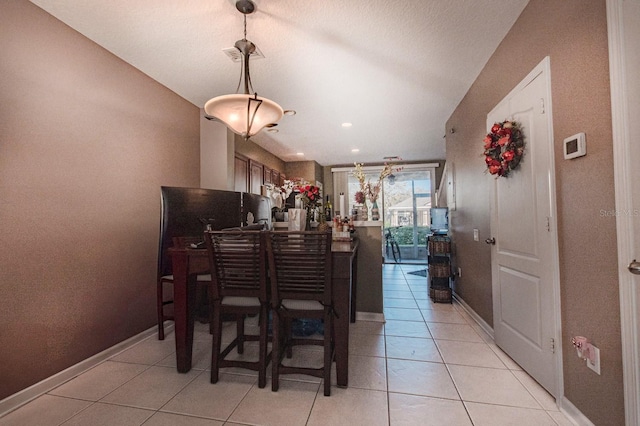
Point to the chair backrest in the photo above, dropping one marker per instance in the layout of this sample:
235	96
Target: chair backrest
238	263
300	265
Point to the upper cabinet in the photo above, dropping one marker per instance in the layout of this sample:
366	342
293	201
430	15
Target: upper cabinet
256	177
241	173
250	175
267	175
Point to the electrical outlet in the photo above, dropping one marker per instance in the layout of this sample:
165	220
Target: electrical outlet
475	235
595	365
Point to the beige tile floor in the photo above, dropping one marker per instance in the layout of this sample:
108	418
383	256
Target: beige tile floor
429	364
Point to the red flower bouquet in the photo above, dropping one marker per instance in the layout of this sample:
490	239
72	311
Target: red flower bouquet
310	195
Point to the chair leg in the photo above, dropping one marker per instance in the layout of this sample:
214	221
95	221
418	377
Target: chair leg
275	351
160	308
287	336
262	360
216	319
240	333
211	302
328	352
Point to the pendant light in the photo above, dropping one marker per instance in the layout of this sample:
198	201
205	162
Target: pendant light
244	113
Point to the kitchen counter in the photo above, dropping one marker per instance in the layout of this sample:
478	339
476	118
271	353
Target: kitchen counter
370	258
357	224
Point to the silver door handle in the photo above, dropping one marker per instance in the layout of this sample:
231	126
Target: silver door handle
491	241
634	267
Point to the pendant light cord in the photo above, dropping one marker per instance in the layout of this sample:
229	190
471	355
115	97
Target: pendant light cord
245	27
244	69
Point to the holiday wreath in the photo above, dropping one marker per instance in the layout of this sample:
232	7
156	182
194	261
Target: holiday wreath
503	148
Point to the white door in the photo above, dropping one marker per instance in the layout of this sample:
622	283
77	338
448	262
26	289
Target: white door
524	254
624	58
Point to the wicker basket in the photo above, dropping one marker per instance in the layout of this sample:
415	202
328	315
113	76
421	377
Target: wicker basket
439	246
439	270
440	294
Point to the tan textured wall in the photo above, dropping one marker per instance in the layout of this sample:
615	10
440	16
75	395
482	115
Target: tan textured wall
574	34
255	152
307	170
86	141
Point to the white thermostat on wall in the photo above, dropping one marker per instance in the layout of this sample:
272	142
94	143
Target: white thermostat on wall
575	146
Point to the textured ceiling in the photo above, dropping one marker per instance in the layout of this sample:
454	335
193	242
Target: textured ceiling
395	69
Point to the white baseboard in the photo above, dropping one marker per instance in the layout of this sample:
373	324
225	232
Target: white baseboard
18	399
370	316
573	414
477	318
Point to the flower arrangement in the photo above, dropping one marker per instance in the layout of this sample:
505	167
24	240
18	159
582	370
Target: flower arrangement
358	172
287	188
310	195
503	148
366	188
279	194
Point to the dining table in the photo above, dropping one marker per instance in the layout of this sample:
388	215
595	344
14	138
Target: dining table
188	262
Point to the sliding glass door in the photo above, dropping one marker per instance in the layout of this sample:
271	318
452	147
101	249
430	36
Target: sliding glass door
406	203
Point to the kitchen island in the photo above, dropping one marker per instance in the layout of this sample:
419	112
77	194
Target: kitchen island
370	259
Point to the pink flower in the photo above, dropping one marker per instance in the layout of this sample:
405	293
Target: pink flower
504	140
495	128
508	155
488	140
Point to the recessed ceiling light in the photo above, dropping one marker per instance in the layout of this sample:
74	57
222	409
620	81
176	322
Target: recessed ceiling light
273	130
347	124
299	154
355	150
289	112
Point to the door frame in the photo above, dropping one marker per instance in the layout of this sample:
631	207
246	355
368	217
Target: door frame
622	167
544	67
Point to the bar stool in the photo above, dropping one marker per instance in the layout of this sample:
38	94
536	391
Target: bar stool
238	288
300	272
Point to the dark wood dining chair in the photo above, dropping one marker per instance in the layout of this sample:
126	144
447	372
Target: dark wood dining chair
164	291
238	288
300	272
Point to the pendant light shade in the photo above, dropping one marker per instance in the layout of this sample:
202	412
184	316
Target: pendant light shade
244	113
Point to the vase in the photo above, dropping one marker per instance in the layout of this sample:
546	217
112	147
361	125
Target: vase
375	212
364	212
323	226
310	214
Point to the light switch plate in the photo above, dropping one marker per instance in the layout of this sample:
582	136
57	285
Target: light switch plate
595	366
475	235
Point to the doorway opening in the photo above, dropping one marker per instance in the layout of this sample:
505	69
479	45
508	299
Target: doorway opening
406	204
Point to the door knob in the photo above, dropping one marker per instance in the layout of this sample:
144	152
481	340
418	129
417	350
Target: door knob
634	267
491	241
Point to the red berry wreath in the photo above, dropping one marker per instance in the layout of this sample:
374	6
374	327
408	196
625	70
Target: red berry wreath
503	148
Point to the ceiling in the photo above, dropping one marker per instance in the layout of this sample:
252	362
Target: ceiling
394	69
